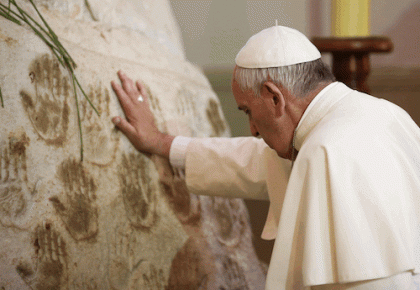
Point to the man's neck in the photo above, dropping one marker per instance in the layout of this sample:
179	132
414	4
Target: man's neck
306	100
297	110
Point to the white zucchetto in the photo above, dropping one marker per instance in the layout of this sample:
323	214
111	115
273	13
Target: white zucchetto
276	46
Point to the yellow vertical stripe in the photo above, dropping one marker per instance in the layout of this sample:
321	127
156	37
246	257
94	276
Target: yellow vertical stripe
350	18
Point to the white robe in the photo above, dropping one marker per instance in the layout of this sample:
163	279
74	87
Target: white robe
349	210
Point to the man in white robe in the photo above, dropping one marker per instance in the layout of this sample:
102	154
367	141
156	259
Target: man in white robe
341	168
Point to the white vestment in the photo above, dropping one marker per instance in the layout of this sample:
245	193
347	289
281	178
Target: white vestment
349	210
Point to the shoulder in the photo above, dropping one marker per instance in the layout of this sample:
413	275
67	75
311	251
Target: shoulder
354	123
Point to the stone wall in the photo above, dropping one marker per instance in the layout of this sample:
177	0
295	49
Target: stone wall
118	219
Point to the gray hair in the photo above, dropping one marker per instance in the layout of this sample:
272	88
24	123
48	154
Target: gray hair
298	79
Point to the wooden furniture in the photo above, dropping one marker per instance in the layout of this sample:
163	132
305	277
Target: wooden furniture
356	50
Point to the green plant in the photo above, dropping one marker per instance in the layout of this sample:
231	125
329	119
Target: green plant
52	41
1	99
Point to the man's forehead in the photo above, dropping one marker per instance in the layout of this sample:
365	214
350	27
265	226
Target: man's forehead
238	93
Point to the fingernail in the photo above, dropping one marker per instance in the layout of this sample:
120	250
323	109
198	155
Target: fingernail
116	120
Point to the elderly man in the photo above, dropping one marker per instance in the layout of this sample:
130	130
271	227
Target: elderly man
341	168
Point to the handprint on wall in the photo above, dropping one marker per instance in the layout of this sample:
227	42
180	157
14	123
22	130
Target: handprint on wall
153	279
185	102
197	267
51	271
119	269
138	191
215	119
147	276
15	194
186	206
233	274
193	267
229	219
100	144
76	207
48	107
157	111
186	109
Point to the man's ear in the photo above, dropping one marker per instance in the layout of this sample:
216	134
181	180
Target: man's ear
275	97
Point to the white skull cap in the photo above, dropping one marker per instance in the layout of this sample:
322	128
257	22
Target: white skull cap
276	46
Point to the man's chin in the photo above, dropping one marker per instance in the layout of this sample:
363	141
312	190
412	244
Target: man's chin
290	155
279	153
283	155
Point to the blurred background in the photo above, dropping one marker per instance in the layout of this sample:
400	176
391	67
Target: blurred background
214	31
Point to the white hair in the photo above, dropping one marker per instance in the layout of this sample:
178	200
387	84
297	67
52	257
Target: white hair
298	79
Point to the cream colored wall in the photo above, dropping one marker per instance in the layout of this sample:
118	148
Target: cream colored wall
215	30
119	219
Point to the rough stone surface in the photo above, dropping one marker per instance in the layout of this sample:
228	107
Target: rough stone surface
117	220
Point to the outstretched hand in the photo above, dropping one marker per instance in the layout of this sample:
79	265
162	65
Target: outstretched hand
139	124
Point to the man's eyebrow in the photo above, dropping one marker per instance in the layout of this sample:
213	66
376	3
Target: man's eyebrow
241	108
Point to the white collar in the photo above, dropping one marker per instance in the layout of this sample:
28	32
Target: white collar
317	109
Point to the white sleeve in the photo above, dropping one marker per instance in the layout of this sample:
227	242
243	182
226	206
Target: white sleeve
230	167
243	167
178	152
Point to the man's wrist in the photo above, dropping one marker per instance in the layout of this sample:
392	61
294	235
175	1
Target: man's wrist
163	146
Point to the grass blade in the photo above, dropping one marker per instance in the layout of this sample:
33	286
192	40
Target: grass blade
78	118
1	99
52	33
87	98
8	16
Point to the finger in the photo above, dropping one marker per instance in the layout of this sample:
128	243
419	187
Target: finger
143	92
122	96
128	85
54	250
41	244
126	82
142	89
126	128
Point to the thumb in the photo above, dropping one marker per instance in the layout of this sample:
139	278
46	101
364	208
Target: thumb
125	127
